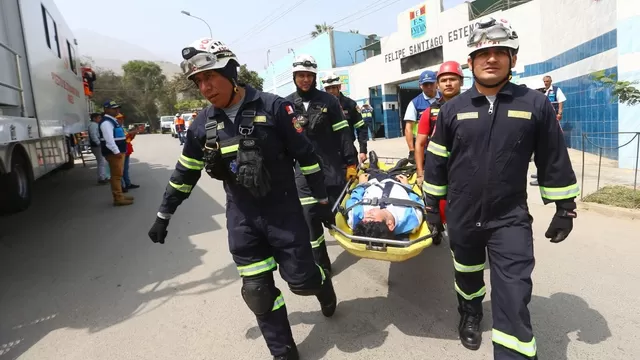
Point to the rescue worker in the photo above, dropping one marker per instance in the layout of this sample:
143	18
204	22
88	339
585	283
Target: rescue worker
321	120
180	128
449	79
417	106
249	139
351	111
367	116
478	158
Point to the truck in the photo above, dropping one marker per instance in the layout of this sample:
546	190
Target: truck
43	101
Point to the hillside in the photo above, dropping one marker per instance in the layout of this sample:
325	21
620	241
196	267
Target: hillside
110	54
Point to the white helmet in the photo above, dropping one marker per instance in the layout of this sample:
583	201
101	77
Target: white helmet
331	80
490	33
305	63
206	54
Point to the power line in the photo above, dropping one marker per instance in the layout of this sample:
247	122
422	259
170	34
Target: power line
300	2
266	18
371	12
385	3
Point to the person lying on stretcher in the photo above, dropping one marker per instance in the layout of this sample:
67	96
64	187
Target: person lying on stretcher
382	207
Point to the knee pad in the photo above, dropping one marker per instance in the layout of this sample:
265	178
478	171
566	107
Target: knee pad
259	293
311	287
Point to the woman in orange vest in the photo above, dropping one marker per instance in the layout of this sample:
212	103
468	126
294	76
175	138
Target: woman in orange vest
129	135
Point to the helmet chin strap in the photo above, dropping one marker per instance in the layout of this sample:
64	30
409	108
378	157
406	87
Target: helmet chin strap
490	86
233	93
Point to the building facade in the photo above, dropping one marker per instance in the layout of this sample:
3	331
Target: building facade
335	50
569	40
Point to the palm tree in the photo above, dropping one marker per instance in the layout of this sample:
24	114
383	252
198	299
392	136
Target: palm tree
321	29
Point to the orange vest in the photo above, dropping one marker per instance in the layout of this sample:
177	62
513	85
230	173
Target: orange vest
179	121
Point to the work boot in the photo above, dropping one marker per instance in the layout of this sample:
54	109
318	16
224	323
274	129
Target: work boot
373	160
133	186
469	329
129	197
292	354
123	201
327	298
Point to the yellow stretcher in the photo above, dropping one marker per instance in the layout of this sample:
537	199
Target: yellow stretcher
400	249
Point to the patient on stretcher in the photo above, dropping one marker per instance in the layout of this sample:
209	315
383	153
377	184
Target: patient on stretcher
371	212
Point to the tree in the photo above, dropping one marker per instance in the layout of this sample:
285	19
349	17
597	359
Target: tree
110	86
625	91
144	84
354	31
249	77
321	29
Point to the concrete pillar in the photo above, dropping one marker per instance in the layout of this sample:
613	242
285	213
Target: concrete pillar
391	114
628	24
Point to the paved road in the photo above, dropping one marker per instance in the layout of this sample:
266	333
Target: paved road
80	280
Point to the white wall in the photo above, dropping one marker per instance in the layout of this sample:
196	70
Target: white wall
545	27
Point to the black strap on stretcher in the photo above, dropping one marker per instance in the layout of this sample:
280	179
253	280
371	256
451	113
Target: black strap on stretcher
385	200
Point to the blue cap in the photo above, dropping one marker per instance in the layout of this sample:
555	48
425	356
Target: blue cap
427	76
110	104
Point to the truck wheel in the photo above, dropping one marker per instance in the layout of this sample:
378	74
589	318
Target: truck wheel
18	185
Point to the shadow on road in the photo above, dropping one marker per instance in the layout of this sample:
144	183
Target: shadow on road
75	261
421	303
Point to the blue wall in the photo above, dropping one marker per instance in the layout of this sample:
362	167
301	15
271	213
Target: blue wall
589	107
345	45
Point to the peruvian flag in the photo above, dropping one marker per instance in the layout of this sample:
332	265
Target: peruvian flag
421	11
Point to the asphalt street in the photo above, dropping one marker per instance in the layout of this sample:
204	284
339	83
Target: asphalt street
79	279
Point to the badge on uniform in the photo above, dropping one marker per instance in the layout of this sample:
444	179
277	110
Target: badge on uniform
519	114
467	115
260	119
233	166
290	110
296	125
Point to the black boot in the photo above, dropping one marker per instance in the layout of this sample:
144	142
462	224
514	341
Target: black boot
373	160
327	298
292	354
469	329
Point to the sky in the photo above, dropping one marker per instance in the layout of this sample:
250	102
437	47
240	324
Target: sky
249	27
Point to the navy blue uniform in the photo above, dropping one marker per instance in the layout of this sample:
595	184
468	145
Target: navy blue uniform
263	232
333	143
478	159
356	122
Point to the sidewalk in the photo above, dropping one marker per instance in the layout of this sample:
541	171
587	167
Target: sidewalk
610	174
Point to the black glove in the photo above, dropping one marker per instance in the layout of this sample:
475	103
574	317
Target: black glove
434	219
251	172
562	222
412	156
158	231
325	214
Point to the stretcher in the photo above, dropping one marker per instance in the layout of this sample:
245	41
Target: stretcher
403	247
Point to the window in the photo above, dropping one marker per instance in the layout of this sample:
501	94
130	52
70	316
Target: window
72	58
50	31
421	60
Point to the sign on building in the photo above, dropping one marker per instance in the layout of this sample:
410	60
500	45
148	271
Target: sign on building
418	20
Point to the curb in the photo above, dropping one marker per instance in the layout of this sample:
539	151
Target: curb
607	210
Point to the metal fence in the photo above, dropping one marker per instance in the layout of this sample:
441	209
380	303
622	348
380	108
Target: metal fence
614	175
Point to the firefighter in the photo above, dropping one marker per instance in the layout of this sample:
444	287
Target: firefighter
320	118
417	106
351	111
180	128
248	139
478	158
449	80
